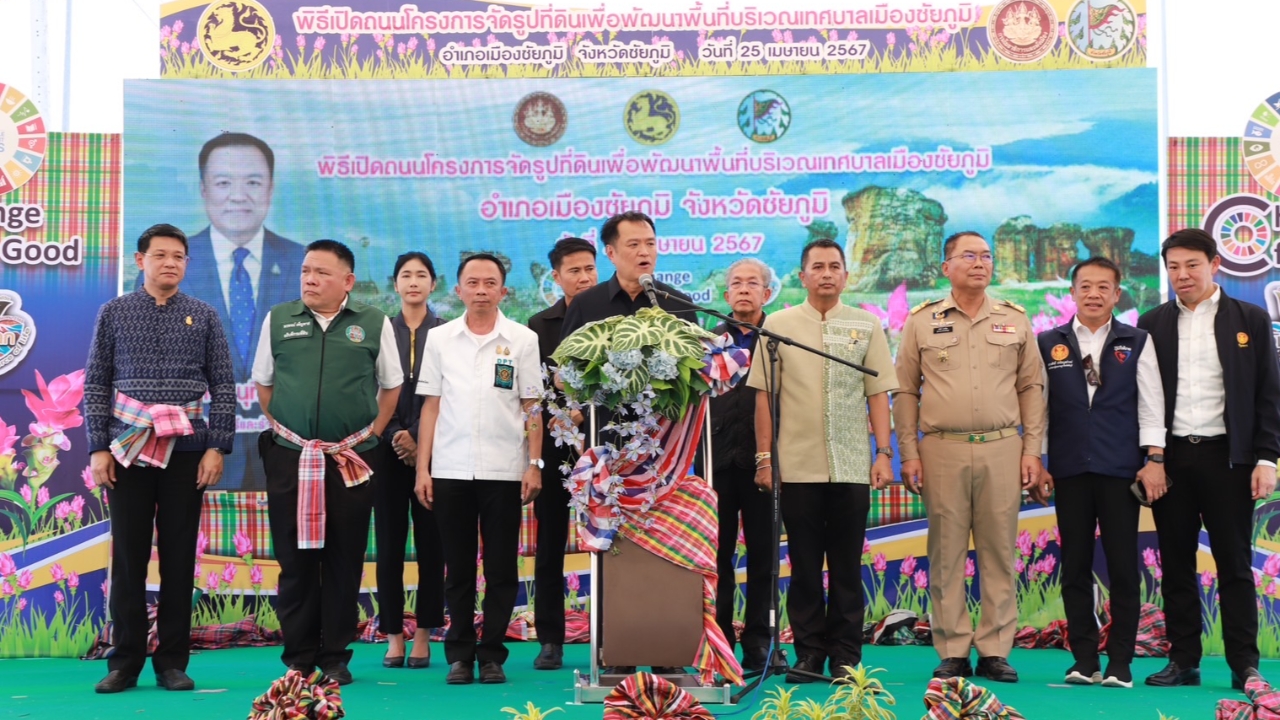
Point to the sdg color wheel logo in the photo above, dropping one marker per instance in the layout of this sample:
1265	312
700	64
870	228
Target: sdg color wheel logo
1244	227
22	138
236	35
1259	144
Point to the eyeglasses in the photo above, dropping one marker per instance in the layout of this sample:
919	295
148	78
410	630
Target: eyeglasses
165	257
1091	373
748	284
971	258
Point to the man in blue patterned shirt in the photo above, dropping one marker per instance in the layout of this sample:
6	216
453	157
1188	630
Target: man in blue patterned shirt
156	352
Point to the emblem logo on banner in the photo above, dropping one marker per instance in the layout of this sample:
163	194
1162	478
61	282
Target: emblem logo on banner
764	116
1022	31
1258	146
22	138
651	117
17	331
236	35
1102	30
540	119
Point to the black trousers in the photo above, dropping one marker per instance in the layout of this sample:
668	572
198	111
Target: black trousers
319	588
737	495
1207	488
1085	502
826	521
551	508
168	500
393	505
495	506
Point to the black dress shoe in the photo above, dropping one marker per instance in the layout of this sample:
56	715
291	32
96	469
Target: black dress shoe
550	658
115	681
491	673
754	659
996	669
805	664
175	679
461	673
392	661
339	673
1084	672
953	667
1174	675
843	669
1239	680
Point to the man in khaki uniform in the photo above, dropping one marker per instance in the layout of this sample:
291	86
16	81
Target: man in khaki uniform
824	455
982	378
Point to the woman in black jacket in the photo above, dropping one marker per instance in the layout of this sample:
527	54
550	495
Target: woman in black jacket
394	502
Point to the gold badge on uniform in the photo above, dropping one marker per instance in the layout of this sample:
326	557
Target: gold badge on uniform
943	356
1059	352
1242	339
189	321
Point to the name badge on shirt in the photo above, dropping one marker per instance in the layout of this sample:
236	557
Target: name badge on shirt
504	374
943	329
297	329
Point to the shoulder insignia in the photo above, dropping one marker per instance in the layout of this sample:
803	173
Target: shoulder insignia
924	305
1014	305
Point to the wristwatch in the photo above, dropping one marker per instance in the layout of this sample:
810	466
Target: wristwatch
537	462
886	451
1156	458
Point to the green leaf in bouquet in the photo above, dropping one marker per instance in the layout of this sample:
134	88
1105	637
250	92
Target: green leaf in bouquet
637	381
681	346
590	342
693	363
660	384
636	332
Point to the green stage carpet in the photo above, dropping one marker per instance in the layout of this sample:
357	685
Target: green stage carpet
228	680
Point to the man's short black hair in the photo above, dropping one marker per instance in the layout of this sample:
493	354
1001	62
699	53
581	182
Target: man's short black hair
820	243
1192	238
565	247
950	243
333	246
1097	261
161	230
609	231
237	139
502	269
413	255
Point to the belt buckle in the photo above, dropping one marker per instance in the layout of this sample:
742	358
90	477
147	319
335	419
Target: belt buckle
1194	439
977	437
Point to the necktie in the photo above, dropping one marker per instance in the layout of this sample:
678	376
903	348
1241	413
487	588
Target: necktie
242	307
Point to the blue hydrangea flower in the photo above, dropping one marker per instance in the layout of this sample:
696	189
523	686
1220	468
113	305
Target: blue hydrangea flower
663	366
626	360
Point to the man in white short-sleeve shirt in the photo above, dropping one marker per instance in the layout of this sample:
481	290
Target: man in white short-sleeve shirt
479	457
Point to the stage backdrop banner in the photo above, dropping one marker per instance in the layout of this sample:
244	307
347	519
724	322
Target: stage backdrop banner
60	258
394	39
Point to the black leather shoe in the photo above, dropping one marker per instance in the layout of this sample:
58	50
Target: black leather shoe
491	673
843	668
115	681
461	673
804	665
1174	675
392	661
1239	680
754	659
996	669
1117	675
953	667
618	670
1084	672
339	673
175	679
551	657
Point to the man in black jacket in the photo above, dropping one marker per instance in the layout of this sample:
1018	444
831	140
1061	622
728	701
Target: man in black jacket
1222	409
573	267
733	448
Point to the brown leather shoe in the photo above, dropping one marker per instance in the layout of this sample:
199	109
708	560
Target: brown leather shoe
115	681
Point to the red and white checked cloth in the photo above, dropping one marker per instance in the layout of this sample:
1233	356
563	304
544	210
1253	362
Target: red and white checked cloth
354	469
153	428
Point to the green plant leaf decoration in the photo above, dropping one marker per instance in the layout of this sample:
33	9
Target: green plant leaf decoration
636	332
589	343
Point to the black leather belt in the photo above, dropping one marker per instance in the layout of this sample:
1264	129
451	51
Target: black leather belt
1198	439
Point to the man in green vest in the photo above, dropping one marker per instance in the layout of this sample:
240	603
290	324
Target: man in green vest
328	377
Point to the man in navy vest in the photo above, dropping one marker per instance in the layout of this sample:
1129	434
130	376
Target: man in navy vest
1106	405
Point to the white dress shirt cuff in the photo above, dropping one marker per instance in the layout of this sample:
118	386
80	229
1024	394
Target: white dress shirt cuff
1151	437
1266	463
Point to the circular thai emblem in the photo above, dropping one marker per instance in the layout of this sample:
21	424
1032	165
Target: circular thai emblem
1022	31
236	35
17	331
22	138
1102	30
355	333
540	119
764	116
651	117
1259	144
1059	352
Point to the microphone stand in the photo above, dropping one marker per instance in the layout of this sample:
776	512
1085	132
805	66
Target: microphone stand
776	664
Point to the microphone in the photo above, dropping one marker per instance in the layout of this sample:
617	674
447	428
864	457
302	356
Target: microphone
646	282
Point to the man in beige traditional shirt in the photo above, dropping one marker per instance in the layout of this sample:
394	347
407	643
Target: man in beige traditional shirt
982	378
824	455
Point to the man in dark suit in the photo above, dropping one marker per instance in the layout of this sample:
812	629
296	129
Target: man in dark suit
242	269
1222	410
573	267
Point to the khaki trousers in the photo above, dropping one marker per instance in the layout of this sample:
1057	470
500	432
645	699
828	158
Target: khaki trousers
972	488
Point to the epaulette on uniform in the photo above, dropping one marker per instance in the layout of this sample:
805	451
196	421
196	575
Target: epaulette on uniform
925	304
1014	305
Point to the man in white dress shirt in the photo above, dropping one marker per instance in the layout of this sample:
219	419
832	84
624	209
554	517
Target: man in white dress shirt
1106	412
1222	407
480	459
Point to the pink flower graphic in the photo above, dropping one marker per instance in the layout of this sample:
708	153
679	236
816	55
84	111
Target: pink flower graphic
42	497
73	580
1206	579
412	44
890	39
202	543
165	32
894	315
1050	562
58	597
255	575
244	546
574	583
8	437
319	44
1042	540
58	406
969	568
1156	572
880	564
177	27
1020	565
825	580
1057	536
62	511
105	588
1024	543
25	492
302	42
866	546
7	565
1271	589
908	565
24	580
1149	558
212	582
1257	580
57	573
86	476
431	45
6	590
777	36
921	579
1270	567
22	604
1065	305
77	507
228	573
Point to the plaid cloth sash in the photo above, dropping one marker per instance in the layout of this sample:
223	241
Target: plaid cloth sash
1263	703
643	697
149	439
956	698
311	510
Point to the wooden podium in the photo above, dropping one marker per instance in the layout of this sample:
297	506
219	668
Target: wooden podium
651	609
